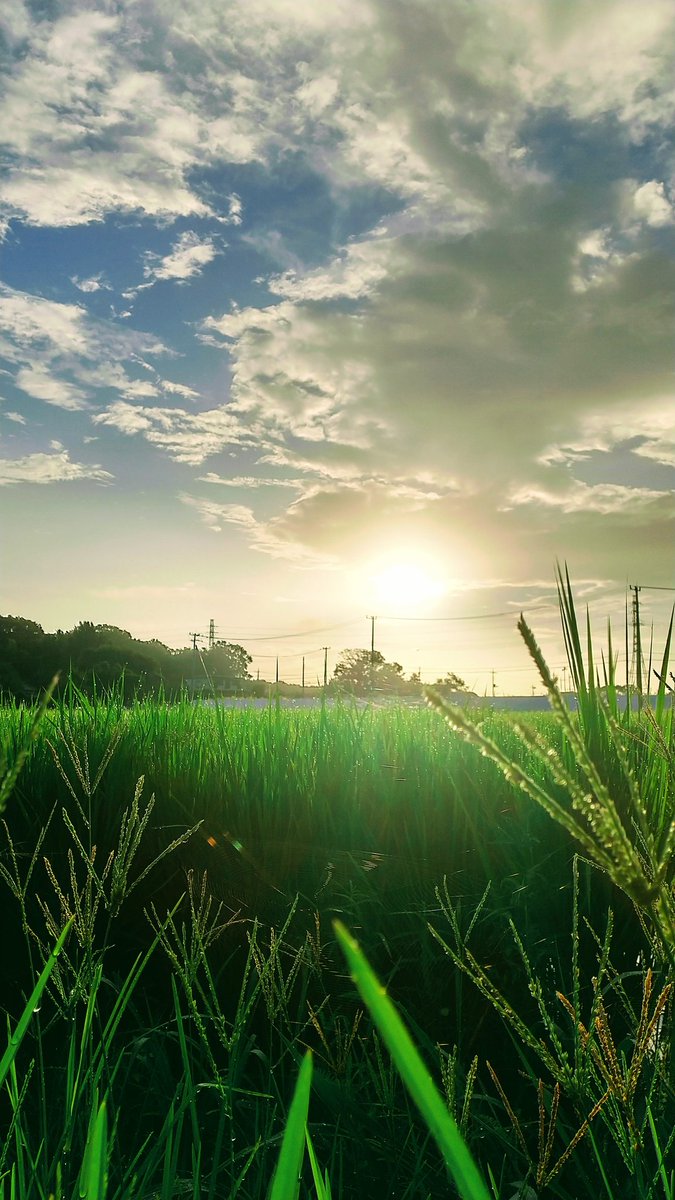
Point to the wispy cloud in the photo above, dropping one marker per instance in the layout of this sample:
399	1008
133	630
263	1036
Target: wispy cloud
353	275
251	481
49	468
650	427
38	382
261	535
640	505
188	257
34	323
178	389
186	437
63	356
94	283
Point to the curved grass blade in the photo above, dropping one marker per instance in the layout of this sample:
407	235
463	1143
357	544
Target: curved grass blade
286	1183
33	1003
94	1178
413	1071
321	1184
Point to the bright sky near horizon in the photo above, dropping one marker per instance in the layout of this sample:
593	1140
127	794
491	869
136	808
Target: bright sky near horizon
300	300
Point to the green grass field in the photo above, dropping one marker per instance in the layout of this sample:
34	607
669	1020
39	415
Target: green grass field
510	885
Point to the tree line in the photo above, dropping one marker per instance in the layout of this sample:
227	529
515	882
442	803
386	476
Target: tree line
103	656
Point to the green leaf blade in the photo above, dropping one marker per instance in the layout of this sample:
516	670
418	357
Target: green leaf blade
286	1183
94	1178
413	1071
32	1005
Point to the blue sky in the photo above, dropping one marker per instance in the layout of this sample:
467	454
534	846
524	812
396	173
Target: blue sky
292	295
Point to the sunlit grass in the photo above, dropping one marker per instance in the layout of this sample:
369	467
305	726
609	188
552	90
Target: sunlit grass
199	857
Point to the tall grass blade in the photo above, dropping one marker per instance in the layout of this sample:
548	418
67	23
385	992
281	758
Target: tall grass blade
321	1185
286	1183
32	1005
94	1178
413	1071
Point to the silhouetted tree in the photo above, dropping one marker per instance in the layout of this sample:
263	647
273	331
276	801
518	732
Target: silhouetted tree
358	671
450	683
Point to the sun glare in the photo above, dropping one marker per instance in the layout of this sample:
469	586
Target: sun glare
406	584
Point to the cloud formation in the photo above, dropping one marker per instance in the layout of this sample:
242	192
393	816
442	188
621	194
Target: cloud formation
186	437
451	264
49	468
58	353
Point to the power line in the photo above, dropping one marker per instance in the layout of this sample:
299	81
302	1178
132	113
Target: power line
298	654
277	637
476	617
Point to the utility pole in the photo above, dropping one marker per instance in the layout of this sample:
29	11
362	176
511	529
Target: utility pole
194	637
325	666
636	588
637	650
372	651
564	676
212	633
494	686
276	676
372	639
303	671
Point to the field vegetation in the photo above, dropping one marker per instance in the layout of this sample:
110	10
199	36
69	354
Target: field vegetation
208	1026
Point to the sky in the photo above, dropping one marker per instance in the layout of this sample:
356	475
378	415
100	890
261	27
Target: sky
316	312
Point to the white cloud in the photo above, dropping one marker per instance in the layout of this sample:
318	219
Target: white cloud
651	203
598	260
650	426
94	283
179	389
17	418
63	356
38	382
49	468
108	111
612	56
234	215
113	111
88	133
140	388
354	275
15	22
34	323
188	257
252	481
638	504
261	535
470	359
301	374
185	437
658	450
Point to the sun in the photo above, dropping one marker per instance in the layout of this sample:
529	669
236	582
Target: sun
406	583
